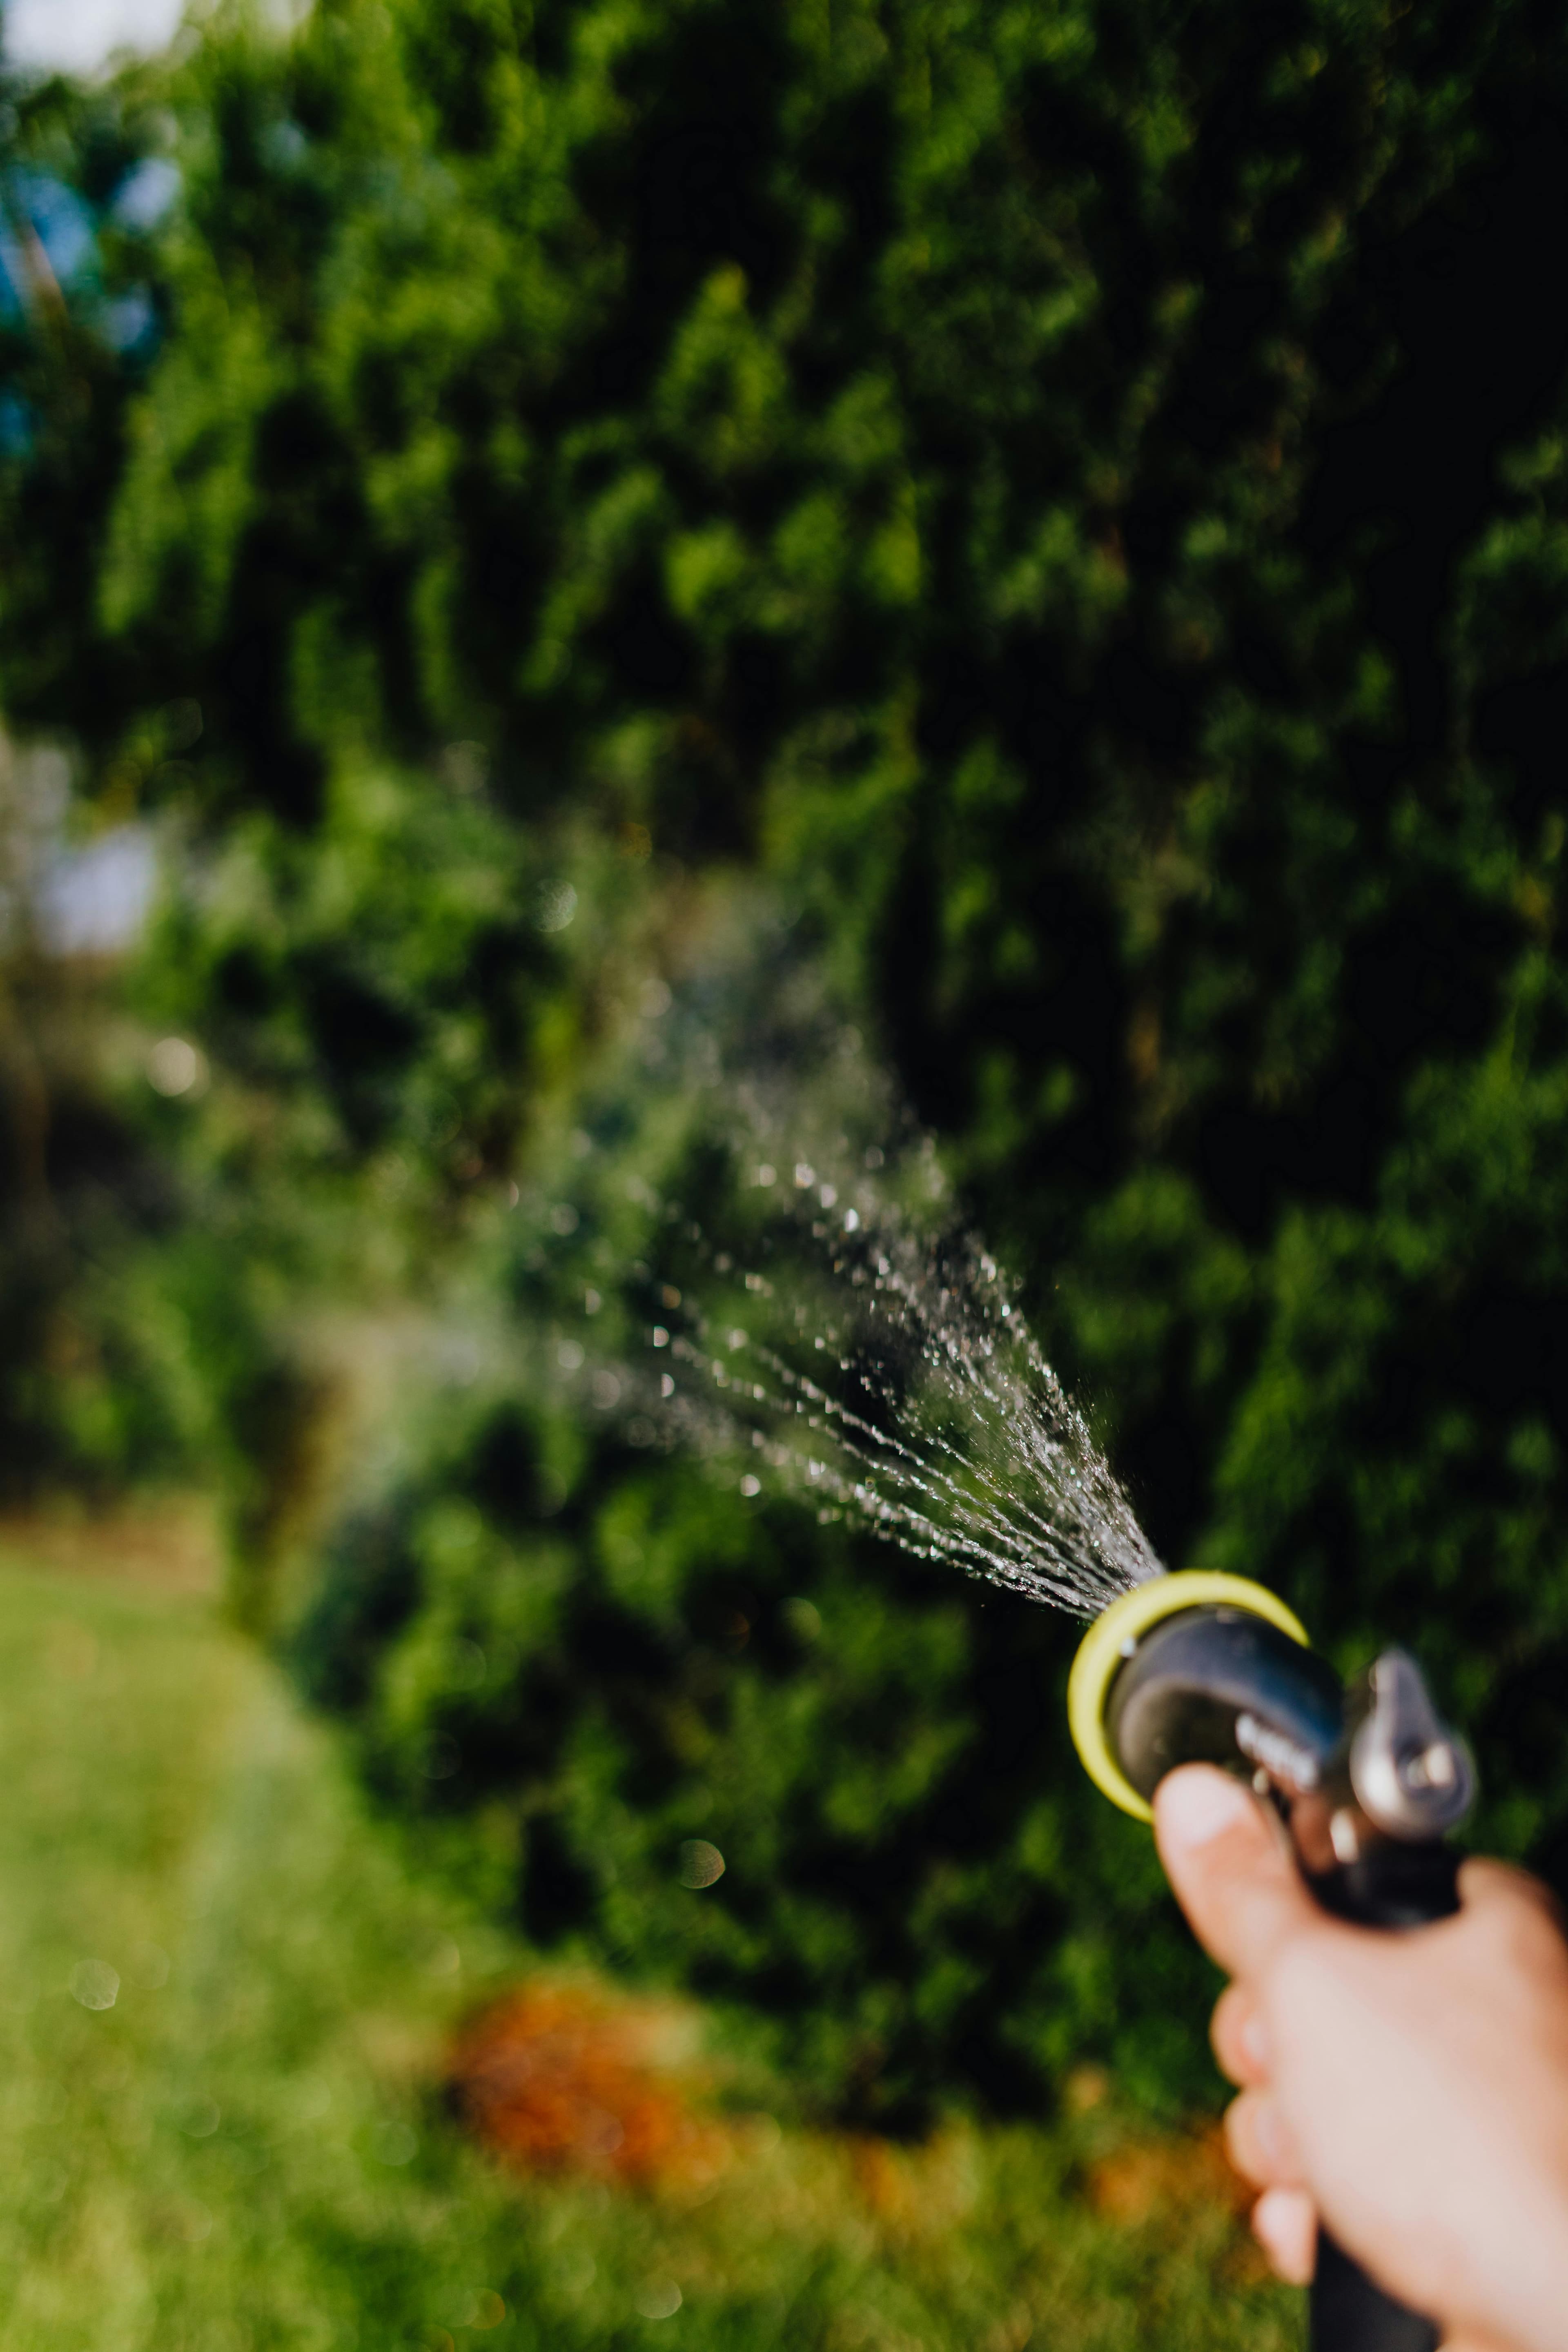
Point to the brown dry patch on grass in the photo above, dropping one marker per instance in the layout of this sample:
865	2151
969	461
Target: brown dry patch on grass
917	2191
168	1545
1168	2175
561	2078
574	2081
1175	2179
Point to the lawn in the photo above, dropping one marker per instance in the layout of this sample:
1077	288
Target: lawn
226	1998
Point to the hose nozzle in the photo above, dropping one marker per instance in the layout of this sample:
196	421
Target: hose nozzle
1204	1668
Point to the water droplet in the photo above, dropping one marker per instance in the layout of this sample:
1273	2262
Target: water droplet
700	1864
175	1066
555	906
95	1984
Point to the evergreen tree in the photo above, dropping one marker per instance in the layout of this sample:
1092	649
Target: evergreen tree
1019	479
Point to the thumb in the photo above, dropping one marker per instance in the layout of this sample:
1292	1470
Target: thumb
1241	1892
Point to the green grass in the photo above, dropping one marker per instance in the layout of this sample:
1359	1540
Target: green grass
251	2153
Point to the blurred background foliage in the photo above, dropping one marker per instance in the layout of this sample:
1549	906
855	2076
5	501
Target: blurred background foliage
1033	538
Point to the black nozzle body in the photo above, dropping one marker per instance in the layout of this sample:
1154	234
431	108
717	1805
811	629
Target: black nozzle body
1203	1676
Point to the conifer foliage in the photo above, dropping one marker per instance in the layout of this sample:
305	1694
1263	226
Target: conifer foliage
1074	497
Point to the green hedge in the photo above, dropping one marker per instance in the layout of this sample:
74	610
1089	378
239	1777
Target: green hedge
1021	477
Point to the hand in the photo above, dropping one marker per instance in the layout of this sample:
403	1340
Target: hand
1411	2087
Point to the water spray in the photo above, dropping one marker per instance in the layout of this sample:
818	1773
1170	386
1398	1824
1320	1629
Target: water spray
1202	1668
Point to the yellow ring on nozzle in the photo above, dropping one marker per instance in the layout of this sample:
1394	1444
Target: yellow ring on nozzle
1106	1647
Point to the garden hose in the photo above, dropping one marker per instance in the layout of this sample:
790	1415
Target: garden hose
1210	1669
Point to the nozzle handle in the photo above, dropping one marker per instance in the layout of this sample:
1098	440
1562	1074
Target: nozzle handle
1390	1887
1350	2313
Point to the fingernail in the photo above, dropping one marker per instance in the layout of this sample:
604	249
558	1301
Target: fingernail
1196	1806
1255	2042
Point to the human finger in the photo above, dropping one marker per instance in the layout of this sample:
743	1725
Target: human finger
1260	2141
1237	2033
1284	2223
1239	1888
1488	1885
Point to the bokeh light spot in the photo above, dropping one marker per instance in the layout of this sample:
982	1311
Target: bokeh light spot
175	1067
701	1865
95	1984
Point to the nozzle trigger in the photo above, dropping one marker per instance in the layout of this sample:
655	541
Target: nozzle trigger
1413	1777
